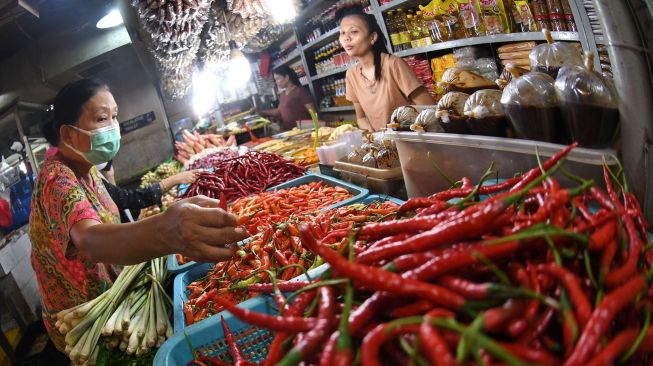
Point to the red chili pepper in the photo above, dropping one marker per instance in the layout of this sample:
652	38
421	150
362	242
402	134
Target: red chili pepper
601	318
276	323
531	355
618	275
377	337
416	308
236	356
283	262
466	226
205	297
602	236
389	228
432	344
188	314
311	342
495	319
206	360
327	358
383	280
619	344
413	260
537	328
548	164
573	286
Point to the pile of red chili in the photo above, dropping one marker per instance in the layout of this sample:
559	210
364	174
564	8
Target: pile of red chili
244	175
279	205
276	251
528	276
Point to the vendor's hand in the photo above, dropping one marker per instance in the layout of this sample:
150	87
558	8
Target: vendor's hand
187	177
197	228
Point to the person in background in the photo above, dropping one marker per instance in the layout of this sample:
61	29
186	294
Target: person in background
75	229
380	82
294	99
128	199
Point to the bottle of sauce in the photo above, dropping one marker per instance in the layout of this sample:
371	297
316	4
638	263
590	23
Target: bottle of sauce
541	14
468	10
556	16
569	16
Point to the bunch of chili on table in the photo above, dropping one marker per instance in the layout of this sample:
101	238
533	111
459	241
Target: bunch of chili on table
277	250
244	175
528	276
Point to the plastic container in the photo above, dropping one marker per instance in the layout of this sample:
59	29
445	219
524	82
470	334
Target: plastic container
358	193
469	156
589	104
382	181
328	154
531	104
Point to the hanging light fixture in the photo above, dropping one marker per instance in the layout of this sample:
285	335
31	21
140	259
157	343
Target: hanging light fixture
112	19
283	11
205	87
238	64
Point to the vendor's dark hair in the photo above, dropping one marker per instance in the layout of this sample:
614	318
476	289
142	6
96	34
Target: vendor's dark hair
68	106
379	46
284	70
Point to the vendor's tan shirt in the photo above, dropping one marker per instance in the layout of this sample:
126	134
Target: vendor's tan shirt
392	91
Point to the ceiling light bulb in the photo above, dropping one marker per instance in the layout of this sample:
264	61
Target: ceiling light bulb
113	19
283	11
239	68
205	87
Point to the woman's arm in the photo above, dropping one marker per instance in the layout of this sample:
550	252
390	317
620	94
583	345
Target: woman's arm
186	177
270	112
194	227
361	118
421	96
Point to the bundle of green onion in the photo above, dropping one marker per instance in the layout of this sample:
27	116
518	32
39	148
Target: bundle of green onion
133	315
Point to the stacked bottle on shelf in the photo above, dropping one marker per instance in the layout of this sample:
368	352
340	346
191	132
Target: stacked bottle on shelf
326	21
301	73
447	20
331	56
283	53
333	93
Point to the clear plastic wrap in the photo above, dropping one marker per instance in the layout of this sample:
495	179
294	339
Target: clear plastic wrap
457	79
551	56
427	121
402	118
589	104
509	73
485	114
531	104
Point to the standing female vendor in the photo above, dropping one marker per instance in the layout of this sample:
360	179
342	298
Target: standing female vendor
380	82
74	225
294	101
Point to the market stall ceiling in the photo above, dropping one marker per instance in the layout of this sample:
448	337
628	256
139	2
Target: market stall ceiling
19	27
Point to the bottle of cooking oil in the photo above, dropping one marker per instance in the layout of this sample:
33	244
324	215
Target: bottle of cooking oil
468	10
448	11
403	30
390	21
413	29
424	35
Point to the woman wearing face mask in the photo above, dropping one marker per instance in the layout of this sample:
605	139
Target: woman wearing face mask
380	82
294	100
74	225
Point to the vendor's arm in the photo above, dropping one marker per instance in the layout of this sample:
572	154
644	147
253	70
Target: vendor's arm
421	97
270	112
186	177
194	227
408	83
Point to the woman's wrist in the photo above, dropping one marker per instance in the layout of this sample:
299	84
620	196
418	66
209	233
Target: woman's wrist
163	184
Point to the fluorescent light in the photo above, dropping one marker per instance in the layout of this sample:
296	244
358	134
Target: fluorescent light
205	87
283	11
113	19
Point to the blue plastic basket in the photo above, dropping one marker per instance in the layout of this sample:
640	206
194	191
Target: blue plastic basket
207	337
358	193
381	198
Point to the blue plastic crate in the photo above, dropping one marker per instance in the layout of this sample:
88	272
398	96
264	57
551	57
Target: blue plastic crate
358	193
381	198
207	338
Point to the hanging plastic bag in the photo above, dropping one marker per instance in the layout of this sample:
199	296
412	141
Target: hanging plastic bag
531	104
549	57
589	104
485	115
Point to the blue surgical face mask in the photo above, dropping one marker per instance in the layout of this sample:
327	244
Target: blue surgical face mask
105	143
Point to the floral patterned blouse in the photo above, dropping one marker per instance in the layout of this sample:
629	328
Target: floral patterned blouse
65	277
